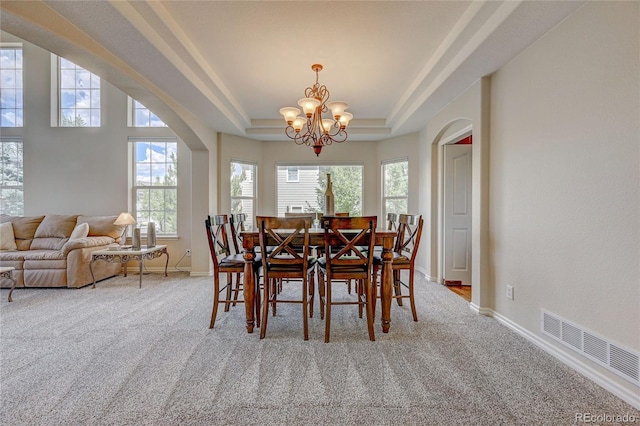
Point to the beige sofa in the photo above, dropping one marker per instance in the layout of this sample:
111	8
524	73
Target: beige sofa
55	250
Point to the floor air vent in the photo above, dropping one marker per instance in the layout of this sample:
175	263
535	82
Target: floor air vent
623	362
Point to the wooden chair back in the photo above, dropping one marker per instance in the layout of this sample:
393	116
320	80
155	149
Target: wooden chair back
349	243
409	234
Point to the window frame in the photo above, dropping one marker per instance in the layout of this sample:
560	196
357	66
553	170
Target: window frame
57	115
253	199
383	186
132	115
297	175
18	89
19	188
135	188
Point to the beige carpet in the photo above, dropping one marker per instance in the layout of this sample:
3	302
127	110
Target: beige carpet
120	355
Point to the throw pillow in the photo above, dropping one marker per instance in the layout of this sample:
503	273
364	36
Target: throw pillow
7	239
80	231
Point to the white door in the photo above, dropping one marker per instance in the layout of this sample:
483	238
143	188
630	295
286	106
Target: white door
457	214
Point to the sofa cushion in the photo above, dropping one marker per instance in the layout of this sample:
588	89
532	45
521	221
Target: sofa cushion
102	225
56	226
80	231
48	243
24	228
7	239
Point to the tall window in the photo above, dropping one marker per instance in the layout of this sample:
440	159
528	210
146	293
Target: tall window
79	96
395	187
141	116
155	190
11	86
11	177
243	190
307	193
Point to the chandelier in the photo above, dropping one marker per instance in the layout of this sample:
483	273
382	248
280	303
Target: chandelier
313	130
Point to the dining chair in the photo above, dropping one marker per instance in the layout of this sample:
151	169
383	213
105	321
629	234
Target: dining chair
347	255
290	261
404	258
227	265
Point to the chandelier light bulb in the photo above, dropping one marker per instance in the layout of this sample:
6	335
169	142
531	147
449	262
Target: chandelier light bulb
309	105
289	114
337	108
298	124
345	118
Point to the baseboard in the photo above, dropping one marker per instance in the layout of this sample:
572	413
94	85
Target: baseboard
575	363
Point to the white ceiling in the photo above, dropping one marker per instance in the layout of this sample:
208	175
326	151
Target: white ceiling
231	65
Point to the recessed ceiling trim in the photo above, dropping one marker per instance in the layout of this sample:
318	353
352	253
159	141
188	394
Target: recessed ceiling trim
496	19
457	30
228	105
355	123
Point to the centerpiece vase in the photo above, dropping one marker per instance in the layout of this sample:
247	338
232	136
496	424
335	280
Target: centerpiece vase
329	207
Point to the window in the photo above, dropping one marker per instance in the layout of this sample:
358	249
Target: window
155	188
243	190
11	85
79	96
141	116
395	187
307	193
11	177
293	174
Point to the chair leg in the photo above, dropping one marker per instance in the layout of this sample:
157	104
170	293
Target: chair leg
236	290
265	309
411	298
396	287
370	296
321	293
214	311
311	285
305	308
361	296
275	289
327	318
229	287
257	299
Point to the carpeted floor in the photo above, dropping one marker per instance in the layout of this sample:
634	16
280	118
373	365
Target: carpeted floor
119	355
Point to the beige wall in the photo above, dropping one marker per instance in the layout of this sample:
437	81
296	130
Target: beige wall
557	175
564	197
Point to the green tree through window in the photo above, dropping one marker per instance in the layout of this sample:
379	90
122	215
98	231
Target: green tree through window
156	183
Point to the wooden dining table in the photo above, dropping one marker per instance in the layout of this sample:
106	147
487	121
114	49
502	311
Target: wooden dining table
383	238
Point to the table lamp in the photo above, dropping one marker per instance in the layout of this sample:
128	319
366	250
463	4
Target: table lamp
124	219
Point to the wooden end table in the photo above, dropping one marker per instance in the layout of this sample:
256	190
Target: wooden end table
5	272
125	255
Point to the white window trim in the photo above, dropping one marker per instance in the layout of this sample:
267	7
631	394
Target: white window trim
16	45
55	95
384	198
132	186
15	139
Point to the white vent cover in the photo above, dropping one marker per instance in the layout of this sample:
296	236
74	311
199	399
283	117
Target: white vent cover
622	361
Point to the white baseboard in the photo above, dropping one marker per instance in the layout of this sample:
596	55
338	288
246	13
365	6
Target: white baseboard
575	363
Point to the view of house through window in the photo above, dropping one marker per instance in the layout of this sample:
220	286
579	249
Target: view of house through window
395	187
11	88
155	189
307	193
243	190
79	101
11	177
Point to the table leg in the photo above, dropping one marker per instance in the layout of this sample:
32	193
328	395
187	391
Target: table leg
248	288
13	287
166	265
91	270
386	283
140	263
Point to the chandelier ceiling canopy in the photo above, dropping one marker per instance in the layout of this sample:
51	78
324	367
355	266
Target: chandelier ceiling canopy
312	129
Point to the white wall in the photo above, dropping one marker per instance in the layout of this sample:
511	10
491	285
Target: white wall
565	192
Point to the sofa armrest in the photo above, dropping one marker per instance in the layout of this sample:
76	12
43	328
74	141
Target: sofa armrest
79	243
